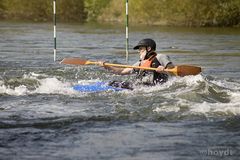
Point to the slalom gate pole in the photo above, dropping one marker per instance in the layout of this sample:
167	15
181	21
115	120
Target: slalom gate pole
127	41
54	30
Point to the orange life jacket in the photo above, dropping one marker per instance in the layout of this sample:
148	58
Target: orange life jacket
148	62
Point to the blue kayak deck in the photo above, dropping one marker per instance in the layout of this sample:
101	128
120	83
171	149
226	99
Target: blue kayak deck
96	87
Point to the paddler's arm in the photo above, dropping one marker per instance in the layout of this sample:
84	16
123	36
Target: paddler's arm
161	68
165	61
116	70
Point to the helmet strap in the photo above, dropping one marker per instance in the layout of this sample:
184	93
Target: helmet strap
149	54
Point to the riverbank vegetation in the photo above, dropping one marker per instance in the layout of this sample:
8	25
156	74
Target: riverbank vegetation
146	12
41	10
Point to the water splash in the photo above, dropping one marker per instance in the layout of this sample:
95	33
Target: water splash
197	95
194	95
33	83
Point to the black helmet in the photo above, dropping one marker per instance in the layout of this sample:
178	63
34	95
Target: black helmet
146	43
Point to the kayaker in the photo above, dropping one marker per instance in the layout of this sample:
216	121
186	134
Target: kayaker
148	58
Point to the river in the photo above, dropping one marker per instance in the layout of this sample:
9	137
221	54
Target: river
42	117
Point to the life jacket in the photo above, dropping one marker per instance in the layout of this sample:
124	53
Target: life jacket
153	62
148	62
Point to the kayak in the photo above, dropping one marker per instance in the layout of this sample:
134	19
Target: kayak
98	87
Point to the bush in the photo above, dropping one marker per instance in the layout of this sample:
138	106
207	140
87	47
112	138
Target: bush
175	12
150	12
41	10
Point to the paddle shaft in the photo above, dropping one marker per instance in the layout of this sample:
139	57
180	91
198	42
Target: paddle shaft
126	66
180	70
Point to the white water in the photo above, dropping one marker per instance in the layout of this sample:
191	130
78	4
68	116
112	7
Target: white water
179	89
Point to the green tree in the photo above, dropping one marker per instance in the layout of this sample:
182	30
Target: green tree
94	8
72	10
150	12
2	9
41	10
176	12
37	10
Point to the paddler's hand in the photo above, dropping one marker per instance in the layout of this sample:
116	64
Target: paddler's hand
101	63
160	69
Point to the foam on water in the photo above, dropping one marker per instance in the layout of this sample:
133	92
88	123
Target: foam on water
228	108
193	84
54	86
46	85
179	92
17	91
51	85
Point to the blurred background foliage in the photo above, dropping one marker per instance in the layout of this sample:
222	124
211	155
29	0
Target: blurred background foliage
146	12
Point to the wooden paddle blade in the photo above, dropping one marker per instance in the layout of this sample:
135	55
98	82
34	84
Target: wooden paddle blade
74	61
185	70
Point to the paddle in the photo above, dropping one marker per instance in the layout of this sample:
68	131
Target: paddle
181	70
